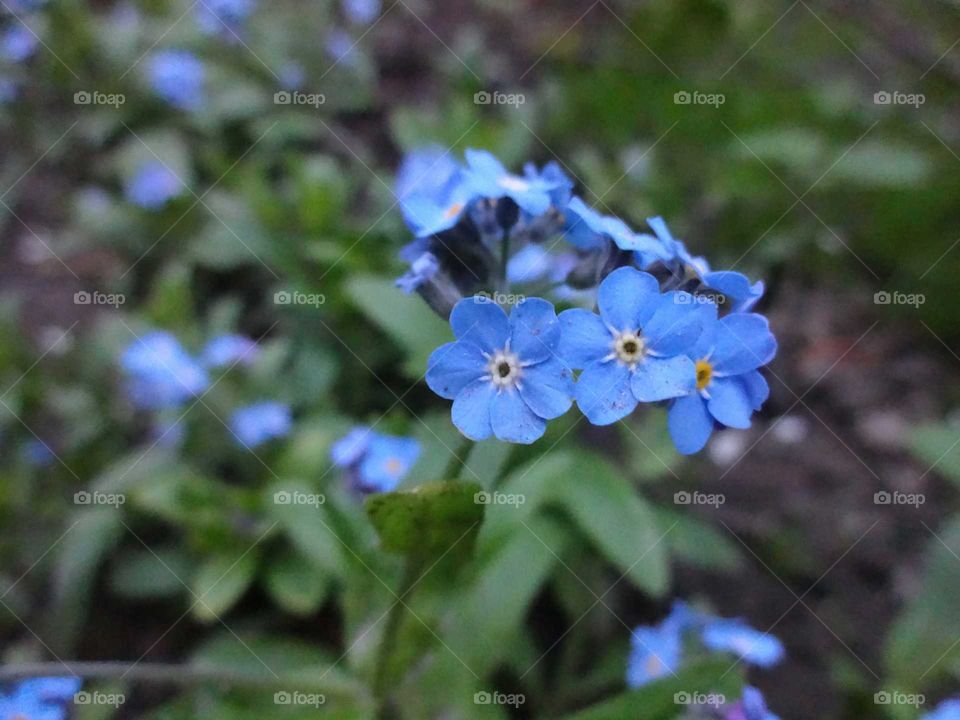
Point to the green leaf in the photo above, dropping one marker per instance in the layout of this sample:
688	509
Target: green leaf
937	445
220	582
403	317
658	700
427	521
306	525
295	584
698	543
140	574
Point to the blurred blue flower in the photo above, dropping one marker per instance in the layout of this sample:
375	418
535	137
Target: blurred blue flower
947	710
588	229
729	389
153	185
377	462
229	350
432	190
341	46
177	76
38	699
37	453
654	652
634	350
751	707
18	43
421	270
551	174
503	375
734	635
292	75
361	12
488	178
160	373
743	295
530	264
224	17
256	424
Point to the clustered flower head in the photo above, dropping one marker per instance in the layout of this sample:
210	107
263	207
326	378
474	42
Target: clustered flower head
648	321
178	77
39	698
374	462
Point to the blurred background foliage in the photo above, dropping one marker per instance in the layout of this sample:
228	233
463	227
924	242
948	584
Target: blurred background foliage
798	177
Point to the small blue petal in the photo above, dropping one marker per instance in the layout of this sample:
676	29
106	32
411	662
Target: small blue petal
657	379
261	422
729	403
548	388
351	447
756	388
677	324
471	410
388	461
583	338
628	298
655	652
732	635
603	392
534	330
736	287
743	342
453	366
481	322
690	424
513	420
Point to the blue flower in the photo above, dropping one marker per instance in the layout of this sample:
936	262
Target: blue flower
489	179
292	75
153	186
160	373
734	635
224	17
378	462
38	699
258	423
37	453
503	375
433	191
177	76
421	270
551	174
340	46
728	386
947	710
588	229
229	350
743	295
18	43
634	351
361	12
751	707
654	652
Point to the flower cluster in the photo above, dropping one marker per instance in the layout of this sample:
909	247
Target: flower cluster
178	77
658	650
39	698
161	376
374	462
667	328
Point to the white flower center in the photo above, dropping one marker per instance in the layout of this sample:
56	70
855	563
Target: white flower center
628	348
505	369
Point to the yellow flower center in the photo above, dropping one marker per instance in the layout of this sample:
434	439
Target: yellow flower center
453	210
704	374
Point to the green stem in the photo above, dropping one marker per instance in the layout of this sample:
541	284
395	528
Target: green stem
504	260
458	459
381	675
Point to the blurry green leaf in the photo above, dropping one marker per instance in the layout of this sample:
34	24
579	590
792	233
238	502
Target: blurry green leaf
306	524
697	542
220	581
427	521
231	235
298	586
405	318
657	701
880	163
139	573
938	445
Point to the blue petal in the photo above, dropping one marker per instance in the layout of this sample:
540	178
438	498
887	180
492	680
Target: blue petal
453	366
482	322
513	421
755	385
627	298
583	338
534	330
547	388
658	379
690	424
729	402
736	286
603	392
678	323
743	342
471	410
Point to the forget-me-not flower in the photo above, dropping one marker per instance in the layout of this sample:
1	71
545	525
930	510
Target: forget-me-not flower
153	186
503	375
38	698
490	179
378	462
729	389
947	710
751	706
635	350
261	422
224	17
361	12
160	373
18	43
654	653
178	77
226	350
432	190
736	636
